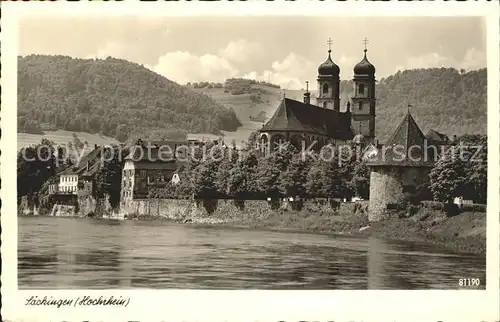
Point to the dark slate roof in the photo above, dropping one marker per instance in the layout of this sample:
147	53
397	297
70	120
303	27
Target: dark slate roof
151	153
81	167
364	67
328	68
404	148
437	136
292	115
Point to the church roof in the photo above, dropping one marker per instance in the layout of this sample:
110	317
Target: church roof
364	67
404	148
292	115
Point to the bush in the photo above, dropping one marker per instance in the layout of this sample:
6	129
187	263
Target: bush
412	210
240	204
450	209
274	204
474	207
434	205
403	203
334	204
297	204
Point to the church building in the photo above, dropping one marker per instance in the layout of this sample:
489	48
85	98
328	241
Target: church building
321	120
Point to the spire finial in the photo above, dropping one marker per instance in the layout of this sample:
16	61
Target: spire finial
284	93
329	43
409	108
365	42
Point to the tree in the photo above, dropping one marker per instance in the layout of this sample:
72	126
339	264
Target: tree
224	169
292	180
241	181
108	178
446	177
270	168
35	165
121	133
361	180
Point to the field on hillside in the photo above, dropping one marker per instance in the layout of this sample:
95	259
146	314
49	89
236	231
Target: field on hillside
262	100
62	137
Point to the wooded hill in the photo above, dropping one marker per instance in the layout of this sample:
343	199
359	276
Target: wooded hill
124	100
443	99
113	97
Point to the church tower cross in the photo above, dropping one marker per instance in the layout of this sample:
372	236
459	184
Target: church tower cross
365	42
329	43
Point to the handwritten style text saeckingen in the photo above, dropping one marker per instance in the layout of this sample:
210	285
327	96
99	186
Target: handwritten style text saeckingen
79	301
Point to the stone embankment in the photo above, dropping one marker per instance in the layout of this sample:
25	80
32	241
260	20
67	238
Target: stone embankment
463	231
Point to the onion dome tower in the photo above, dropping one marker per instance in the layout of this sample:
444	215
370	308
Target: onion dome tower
329	82
363	111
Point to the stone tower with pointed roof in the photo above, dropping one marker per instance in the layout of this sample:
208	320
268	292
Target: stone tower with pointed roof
363	101
398	168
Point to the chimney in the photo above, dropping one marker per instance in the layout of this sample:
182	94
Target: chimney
307	95
455	138
95	146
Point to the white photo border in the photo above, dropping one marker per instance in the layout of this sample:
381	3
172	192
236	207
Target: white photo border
201	305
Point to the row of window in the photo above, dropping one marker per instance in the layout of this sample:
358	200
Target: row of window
361	89
127	173
156	179
67	188
69	179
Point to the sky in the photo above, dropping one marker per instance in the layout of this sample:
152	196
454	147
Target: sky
285	50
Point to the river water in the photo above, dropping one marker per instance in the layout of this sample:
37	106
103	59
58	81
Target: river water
73	253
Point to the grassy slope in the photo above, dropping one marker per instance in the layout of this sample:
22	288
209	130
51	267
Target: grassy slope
244	107
62	137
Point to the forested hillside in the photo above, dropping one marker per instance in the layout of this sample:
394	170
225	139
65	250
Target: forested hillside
113	97
444	99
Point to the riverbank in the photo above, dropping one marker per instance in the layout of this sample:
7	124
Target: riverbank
464	232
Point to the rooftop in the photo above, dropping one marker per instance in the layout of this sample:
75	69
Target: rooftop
292	115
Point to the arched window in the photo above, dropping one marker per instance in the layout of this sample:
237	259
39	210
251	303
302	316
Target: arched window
361	88
325	104
325	89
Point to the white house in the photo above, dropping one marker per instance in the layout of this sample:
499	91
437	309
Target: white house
68	183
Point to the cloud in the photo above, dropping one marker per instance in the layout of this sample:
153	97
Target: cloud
183	67
241	51
289	73
473	59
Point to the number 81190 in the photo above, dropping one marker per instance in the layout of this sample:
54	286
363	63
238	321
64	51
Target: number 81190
468	282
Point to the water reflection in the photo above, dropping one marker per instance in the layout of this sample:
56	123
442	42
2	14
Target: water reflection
82	253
